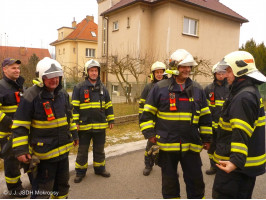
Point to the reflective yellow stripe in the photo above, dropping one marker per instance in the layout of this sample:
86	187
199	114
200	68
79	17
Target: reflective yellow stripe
178	116
91	105
210	156
250	162
149	108
260	122
214	124
75	103
191	147
239	148
76	116
141	110
196	119
110	117
19	141
12	180
59	197
261	103
50	124
4	134
240	124
205	130
18	123
209	103
224	125
78	166
73	127
169	146
219	102
9	109
142	101
2	115
108	105
96	164
146	125
205	111
93	126
55	152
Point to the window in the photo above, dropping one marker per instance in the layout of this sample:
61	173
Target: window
90	52
62	35
190	26
93	34
128	22
115	26
114	88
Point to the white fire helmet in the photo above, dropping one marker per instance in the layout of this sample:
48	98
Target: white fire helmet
242	63
216	69
158	65
91	63
48	68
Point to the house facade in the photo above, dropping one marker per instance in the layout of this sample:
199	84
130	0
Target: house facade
154	29
75	46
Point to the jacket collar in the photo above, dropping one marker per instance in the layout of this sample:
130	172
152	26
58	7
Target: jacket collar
176	87
18	84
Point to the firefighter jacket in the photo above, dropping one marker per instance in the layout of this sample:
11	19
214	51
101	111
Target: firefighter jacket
144	96
241	132
43	124
10	94
93	108
182	125
216	95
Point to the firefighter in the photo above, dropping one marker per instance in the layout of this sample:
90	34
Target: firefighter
157	74
93	113
240	150
11	90
216	93
43	127
179	107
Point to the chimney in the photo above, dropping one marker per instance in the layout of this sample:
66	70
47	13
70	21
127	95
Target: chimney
22	51
74	23
90	18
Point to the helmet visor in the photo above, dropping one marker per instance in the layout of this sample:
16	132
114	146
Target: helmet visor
53	75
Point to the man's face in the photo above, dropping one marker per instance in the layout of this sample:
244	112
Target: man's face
158	74
12	71
93	73
220	76
229	75
51	83
184	71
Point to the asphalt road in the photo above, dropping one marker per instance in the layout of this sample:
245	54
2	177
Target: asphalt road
127	181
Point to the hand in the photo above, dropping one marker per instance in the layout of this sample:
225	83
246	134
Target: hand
76	142
77	127
206	145
153	140
24	158
226	166
111	125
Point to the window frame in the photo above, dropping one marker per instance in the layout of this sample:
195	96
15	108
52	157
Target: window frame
115	26
88	52
196	34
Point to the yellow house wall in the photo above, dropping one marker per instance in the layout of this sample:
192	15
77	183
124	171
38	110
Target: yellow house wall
65	30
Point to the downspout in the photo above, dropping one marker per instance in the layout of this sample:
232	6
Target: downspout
107	44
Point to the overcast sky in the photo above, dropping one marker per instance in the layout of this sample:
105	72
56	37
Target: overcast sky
34	23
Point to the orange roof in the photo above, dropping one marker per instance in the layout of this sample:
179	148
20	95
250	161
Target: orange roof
213	5
82	32
22	53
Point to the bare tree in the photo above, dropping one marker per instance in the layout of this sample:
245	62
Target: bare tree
203	68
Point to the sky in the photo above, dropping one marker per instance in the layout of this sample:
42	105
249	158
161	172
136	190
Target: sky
34	23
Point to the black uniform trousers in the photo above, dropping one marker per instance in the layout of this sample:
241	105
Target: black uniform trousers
192	174
213	147
148	159
98	139
51	180
233	185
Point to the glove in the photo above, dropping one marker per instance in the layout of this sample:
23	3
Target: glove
154	153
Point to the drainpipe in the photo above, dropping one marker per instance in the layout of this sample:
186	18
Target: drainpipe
107	44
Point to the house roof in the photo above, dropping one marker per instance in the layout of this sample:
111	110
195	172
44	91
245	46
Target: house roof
213	5
82	32
22	53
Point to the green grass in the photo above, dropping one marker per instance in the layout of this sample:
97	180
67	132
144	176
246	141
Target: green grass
122	109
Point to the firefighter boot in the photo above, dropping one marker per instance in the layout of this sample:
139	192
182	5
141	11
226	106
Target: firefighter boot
104	173
78	179
147	171
211	171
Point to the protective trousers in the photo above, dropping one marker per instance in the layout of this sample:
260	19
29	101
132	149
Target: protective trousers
234	185
52	180
212	148
98	139
148	159
191	166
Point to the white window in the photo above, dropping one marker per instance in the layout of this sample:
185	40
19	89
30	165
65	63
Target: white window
90	52
115	26
93	34
190	26
115	88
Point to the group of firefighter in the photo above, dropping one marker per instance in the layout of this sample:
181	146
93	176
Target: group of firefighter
39	125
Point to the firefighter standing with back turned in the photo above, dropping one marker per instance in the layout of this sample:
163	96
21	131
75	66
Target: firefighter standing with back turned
216	94
182	126
240	150
43	125
11	90
93	113
158	70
